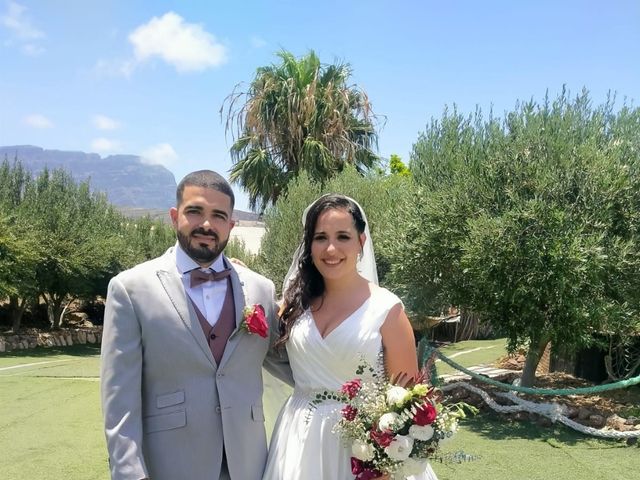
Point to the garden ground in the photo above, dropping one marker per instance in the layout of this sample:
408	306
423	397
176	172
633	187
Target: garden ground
50	427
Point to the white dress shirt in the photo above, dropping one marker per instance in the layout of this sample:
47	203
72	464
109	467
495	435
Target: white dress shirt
208	296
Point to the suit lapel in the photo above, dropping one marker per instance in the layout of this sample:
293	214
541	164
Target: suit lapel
173	286
239	302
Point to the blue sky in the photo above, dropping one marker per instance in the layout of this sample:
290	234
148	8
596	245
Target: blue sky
149	77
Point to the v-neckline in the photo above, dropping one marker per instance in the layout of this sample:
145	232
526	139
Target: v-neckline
315	325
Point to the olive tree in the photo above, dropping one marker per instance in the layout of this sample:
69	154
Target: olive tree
532	221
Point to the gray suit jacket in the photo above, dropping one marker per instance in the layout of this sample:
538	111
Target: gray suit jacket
168	408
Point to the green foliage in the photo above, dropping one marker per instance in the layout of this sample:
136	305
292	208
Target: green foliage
385	201
397	166
59	241
145	239
17	260
532	221
78	246
237	249
298	115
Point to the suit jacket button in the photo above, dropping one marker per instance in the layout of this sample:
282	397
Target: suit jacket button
218	409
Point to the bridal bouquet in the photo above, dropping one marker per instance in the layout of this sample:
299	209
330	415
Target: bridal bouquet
392	429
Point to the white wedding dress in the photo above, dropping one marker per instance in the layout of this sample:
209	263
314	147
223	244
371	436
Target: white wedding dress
303	446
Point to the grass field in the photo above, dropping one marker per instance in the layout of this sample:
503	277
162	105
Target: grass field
470	353
51	429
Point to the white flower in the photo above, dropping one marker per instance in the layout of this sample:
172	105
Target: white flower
362	450
419	432
446	437
396	395
388	421
400	448
412	466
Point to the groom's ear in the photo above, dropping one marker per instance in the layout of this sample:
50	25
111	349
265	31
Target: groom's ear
173	213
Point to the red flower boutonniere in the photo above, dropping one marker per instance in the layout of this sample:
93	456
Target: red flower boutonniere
255	320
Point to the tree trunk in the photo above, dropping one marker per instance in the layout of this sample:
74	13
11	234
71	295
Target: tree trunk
54	309
17	306
536	350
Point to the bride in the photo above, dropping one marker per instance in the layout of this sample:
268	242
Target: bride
335	316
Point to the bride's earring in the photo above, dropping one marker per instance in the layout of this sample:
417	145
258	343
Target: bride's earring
360	256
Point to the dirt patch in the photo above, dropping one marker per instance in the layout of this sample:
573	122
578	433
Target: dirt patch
617	409
623	401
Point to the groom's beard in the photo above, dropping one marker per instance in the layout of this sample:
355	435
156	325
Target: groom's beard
199	252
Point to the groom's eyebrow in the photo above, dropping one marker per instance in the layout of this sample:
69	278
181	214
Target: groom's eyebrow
217	211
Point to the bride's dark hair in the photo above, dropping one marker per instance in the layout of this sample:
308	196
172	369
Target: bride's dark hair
308	283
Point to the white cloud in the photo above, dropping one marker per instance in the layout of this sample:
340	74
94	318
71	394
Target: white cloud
15	20
22	31
102	122
185	46
104	145
257	42
161	154
37	120
32	50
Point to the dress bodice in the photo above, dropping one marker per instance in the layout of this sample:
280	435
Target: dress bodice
326	363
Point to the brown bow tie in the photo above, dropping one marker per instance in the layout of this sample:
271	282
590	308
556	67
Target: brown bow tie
198	277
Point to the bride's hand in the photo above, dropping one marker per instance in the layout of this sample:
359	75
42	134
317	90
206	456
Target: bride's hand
238	262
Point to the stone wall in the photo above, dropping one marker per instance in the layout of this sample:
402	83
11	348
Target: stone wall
59	338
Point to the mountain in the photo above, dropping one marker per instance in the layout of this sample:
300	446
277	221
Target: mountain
135	187
126	180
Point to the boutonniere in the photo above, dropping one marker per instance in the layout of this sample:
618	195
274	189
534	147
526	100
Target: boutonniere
255	320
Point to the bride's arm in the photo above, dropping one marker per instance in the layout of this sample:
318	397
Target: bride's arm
399	344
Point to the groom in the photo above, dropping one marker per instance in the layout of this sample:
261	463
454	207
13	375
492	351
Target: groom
181	372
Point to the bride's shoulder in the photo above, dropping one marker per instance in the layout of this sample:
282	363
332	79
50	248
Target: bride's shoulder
384	295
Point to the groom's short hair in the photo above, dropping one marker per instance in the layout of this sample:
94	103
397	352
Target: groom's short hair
205	179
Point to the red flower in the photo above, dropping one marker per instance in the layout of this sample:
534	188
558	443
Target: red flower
351	388
361	472
356	465
368	474
349	413
381	438
425	414
255	320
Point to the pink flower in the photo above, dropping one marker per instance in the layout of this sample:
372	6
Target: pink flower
351	388
255	320
349	413
425	414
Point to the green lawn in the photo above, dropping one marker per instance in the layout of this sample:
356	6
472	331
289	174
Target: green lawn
51	429
470	353
50	424
511	450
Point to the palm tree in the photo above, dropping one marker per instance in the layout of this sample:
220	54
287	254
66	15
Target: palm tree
299	115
